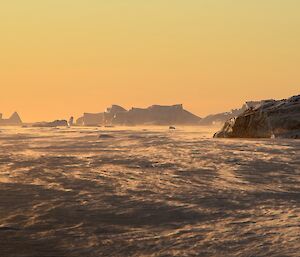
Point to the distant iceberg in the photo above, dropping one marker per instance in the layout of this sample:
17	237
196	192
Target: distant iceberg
12	121
153	115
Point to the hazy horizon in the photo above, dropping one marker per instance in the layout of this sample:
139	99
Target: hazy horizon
63	58
80	114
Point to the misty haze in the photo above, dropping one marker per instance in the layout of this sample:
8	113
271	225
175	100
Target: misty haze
98	187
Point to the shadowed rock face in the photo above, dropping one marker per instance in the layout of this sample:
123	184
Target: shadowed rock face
270	119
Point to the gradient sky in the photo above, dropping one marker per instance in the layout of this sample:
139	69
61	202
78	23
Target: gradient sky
62	57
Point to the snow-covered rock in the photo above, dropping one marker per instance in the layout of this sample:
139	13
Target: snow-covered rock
279	119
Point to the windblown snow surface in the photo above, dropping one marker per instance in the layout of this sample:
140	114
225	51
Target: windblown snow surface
146	192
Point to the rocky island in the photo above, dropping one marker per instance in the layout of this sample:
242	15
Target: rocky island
269	119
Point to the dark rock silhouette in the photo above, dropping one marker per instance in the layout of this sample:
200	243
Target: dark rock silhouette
13	120
270	118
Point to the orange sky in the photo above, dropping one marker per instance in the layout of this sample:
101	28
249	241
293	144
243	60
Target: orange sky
62	57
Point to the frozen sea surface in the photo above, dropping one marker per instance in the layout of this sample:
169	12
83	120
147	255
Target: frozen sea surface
92	192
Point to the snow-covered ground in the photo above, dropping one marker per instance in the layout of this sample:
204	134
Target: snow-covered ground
146	192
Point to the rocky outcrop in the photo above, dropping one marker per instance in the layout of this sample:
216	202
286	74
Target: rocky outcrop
271	118
56	123
12	121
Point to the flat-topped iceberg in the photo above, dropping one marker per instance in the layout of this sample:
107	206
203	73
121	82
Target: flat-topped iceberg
153	115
